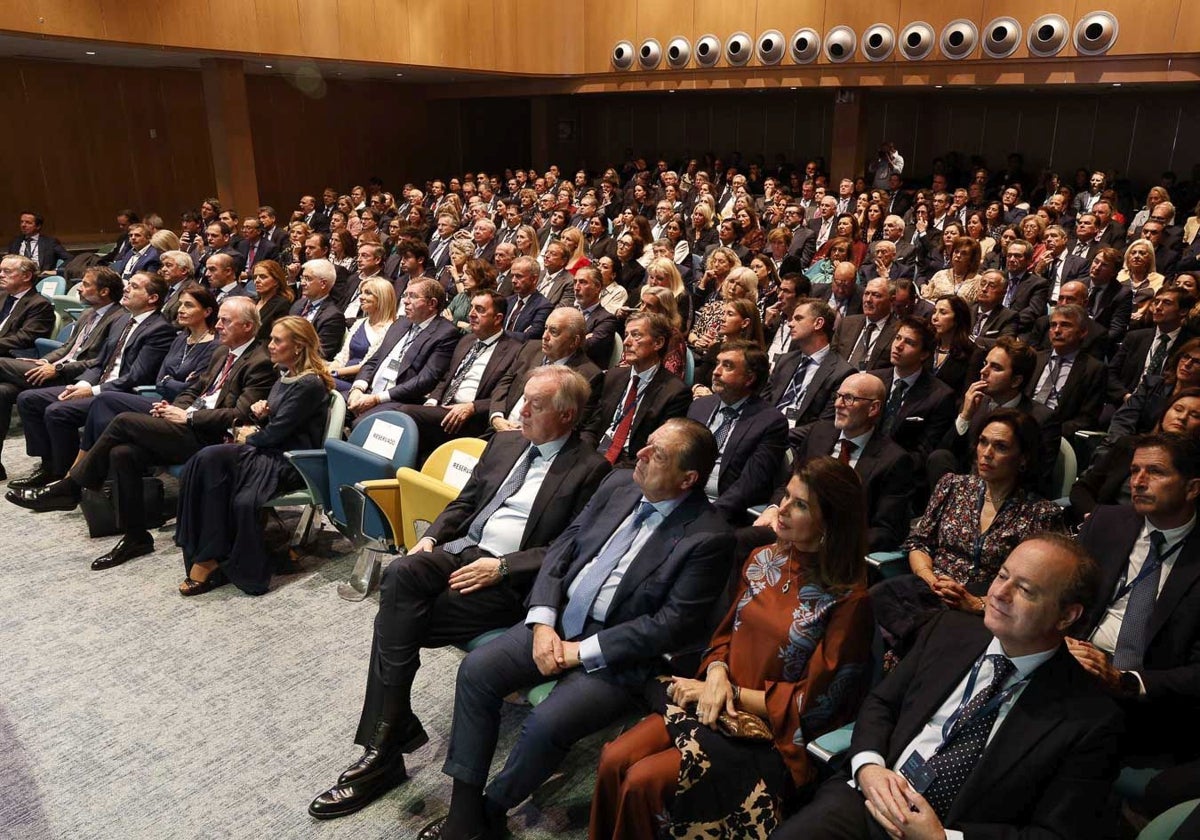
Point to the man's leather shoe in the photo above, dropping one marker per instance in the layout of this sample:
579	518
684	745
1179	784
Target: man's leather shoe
3	473
38	478
57	496
387	742
434	831
126	549
341	800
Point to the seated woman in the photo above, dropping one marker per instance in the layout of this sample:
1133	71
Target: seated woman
962	276
739	283
223	487
577	257
613	296
741	322
768	282
451	277
659	299
951	361
845	226
1033	231
274	295
663	273
970	525
377	303
1147	404
718	264
978	231
343	251
1141	275
477	274
187	359
754	239
821	271
793	651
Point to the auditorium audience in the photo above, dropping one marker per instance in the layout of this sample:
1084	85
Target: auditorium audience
274	295
952	361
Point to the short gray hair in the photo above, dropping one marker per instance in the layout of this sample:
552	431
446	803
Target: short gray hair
244	310
571	389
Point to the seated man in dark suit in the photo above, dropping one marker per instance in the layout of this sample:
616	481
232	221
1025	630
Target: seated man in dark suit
1072	293
142	256
101	290
220	275
989	318
842	294
458	406
527	308
45	251
1026	293
1067	381
1110	303
239	375
561	344
317	306
986	728
919	407
136	345
24	314
601	324
1145	352
254	247
470	572
1140	637
751	435
883	264
1058	265
865	340
216	239
634	401
633	577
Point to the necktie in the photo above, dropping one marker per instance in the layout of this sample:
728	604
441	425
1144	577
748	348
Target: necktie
461	373
219	382
792	394
980	321
516	313
308	308
406	342
1094	303
1135	626
580	604
1159	356
7	308
1054	264
961	750
80	338
28	247
253	252
1049	388
511	485
848	447
1011	291
895	401
729	416
625	423
120	349
858	358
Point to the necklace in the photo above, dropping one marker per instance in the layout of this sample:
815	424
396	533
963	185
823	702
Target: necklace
189	345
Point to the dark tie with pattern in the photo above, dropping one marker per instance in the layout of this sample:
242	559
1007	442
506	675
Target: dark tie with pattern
793	389
729	416
119	350
894	403
461	373
1135	626
858	358
1160	355
511	485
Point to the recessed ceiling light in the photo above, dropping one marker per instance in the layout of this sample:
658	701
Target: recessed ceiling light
268	66
399	75
939	87
793	87
1116	84
90	52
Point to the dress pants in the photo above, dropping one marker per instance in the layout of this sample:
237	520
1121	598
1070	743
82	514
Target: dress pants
580	705
417	608
106	406
430	434
837	812
130	445
383	406
12	383
52	426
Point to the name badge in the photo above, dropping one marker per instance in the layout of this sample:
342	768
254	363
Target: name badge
918	773
792	414
393	365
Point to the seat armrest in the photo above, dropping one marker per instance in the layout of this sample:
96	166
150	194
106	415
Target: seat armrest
313	467
832	744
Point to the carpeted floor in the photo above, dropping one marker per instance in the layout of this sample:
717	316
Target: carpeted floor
127	711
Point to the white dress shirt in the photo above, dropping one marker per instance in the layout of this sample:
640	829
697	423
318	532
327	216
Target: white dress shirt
506	526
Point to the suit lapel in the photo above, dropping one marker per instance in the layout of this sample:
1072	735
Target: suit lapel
823	371
658	548
1183	577
560	468
615	512
945	675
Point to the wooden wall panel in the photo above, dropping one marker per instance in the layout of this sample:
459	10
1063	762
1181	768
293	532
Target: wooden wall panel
1186	27
72	18
357	29
392	24
278	25
603	25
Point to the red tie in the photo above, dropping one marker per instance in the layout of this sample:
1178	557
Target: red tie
847	450
622	433
220	380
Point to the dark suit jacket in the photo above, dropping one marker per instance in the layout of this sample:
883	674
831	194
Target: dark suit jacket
1113	236
561	289
316	220
504	354
531	322
665	397
32	317
1171	664
664	600
1093	341
89	354
1111	308
1125	369
570	482
817	403
249	380
963	446
601	335
1000	321
1082	395
823	291
850	328
50	251
1073	268
149	261
267	250
1049	765
423	364
753	453
329	323
1029	302
512	381
804	245
927	411
141	357
886	473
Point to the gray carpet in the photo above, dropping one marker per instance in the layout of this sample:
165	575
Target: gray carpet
127	711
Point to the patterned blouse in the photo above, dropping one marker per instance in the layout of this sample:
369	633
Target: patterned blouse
949	530
809	649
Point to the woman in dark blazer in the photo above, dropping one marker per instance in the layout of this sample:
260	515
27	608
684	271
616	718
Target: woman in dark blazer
223	487
951	359
274	295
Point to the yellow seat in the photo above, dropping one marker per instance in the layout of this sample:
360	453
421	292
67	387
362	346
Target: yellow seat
418	497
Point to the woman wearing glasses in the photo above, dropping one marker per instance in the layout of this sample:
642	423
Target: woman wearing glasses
1146	405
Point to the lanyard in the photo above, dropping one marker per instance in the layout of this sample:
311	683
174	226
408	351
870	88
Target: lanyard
978	551
952	723
1124	588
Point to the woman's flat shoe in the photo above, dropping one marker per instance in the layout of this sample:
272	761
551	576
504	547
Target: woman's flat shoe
191	587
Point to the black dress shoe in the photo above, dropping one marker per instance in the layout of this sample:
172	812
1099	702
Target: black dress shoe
341	800
38	478
126	549
434	831
3	473
57	496
388	743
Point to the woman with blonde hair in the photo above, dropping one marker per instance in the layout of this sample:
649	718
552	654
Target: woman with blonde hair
741	282
663	272
1140	273
377	310
526	242
165	240
659	299
577	257
224	486
1033	228
1156	196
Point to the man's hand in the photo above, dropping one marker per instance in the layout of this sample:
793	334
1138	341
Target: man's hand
887	795
456	416
767	518
42	371
1095	662
76	391
502	425
976	392
472	577
168	412
423	544
361	402
548	651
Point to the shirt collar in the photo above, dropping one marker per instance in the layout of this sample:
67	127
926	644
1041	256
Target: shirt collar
137	319
1025	665
667	506
859	442
240	349
909	380
101	310
491	339
551	448
424	323
1172	536
646	375
820	355
737	406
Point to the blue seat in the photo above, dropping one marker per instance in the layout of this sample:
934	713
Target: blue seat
889	563
829	746
1166	825
50	286
689	367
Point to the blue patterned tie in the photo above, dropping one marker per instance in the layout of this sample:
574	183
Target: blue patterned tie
793	388
511	484
580	605
461	373
729	416
1135	626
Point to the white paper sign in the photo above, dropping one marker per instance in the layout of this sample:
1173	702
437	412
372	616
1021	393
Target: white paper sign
383	439
459	470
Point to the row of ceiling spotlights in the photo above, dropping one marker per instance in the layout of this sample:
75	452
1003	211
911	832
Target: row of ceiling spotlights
1094	34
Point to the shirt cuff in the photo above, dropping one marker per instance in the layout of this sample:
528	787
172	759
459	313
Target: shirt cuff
961	425
430	402
494	415
95	390
591	655
541	615
861	760
360	384
951	834
1141	684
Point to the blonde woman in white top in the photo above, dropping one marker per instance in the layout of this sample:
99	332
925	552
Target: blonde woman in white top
377	303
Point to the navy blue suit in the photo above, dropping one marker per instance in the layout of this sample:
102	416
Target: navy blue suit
421	367
531	321
148	261
753	453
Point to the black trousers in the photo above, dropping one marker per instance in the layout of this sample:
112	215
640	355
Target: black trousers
418	609
837	812
12	383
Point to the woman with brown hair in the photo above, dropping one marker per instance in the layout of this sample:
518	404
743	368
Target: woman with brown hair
741	322
223	487
951	359
659	299
721	753
962	276
274	295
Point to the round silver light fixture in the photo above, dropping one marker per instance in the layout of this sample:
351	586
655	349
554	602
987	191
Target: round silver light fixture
770	47
839	44
1001	37
679	52
916	40
708	51
650	54
1048	35
622	55
959	39
878	42
805	45
1095	33
737	49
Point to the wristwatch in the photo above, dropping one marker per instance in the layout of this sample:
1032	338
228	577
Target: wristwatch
502	570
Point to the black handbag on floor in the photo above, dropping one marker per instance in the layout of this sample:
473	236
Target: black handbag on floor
100	507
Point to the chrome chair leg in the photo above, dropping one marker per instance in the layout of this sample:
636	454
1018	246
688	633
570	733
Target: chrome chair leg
364	578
